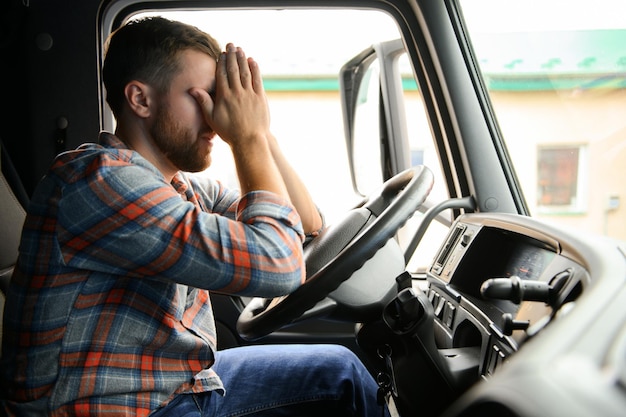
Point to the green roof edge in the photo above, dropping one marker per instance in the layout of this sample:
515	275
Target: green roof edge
494	83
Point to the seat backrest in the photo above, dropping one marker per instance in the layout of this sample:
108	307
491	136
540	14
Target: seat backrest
11	221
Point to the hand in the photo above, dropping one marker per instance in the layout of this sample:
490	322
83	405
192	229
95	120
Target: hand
238	112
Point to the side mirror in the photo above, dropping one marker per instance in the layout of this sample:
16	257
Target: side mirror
361	113
374	117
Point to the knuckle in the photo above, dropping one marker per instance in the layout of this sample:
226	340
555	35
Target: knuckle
232	69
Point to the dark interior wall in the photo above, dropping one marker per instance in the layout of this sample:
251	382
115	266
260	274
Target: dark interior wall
49	79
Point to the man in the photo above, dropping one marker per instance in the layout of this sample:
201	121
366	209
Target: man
108	312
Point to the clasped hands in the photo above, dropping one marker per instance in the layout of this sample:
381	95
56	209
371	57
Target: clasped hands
237	110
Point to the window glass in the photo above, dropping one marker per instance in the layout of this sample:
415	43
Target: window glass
423	152
301	78
300	53
555	71
422	146
558	180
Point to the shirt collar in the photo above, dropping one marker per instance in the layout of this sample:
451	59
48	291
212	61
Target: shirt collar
109	140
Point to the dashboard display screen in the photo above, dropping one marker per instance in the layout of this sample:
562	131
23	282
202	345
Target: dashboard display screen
528	262
496	253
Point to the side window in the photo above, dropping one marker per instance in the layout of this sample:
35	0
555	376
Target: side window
301	77
422	152
421	144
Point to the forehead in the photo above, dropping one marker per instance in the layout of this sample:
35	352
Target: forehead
196	69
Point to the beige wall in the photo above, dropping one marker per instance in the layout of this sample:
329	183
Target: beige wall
595	119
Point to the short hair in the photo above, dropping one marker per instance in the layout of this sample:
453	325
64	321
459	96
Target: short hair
147	50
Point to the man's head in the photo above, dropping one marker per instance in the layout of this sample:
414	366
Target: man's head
149	68
148	50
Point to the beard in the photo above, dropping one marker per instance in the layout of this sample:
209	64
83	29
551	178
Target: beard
179	144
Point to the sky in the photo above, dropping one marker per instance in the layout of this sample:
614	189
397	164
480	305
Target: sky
337	36
545	14
265	35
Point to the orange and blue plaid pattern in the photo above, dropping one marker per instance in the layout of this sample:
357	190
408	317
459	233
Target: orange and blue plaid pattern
109	310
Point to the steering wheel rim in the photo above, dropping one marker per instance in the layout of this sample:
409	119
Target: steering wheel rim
390	208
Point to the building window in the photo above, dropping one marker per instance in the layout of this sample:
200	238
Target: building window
559	179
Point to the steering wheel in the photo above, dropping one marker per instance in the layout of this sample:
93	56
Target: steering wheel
339	251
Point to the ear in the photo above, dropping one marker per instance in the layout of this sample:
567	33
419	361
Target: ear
139	98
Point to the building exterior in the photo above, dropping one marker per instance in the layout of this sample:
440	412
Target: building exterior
560	105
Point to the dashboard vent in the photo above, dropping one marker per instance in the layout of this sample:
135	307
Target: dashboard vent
444	254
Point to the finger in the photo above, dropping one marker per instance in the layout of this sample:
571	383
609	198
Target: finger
221	75
257	79
244	69
205	102
232	66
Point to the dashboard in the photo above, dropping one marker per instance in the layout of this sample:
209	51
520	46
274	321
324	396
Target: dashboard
495	283
542	309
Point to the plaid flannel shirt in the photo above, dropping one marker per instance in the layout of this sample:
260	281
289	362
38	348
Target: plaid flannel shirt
108	312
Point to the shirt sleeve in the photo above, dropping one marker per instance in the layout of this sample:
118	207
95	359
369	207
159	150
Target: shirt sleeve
124	220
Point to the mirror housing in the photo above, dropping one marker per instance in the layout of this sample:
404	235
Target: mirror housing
375	152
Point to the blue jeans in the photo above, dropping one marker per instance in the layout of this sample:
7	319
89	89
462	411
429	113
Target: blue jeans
284	380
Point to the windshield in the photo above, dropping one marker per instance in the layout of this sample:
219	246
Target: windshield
555	71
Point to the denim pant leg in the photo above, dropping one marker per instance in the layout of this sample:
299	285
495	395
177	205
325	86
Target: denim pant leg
183	405
293	380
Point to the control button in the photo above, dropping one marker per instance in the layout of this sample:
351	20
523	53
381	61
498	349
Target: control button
435	300
451	312
493	359
500	359
431	296
439	307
